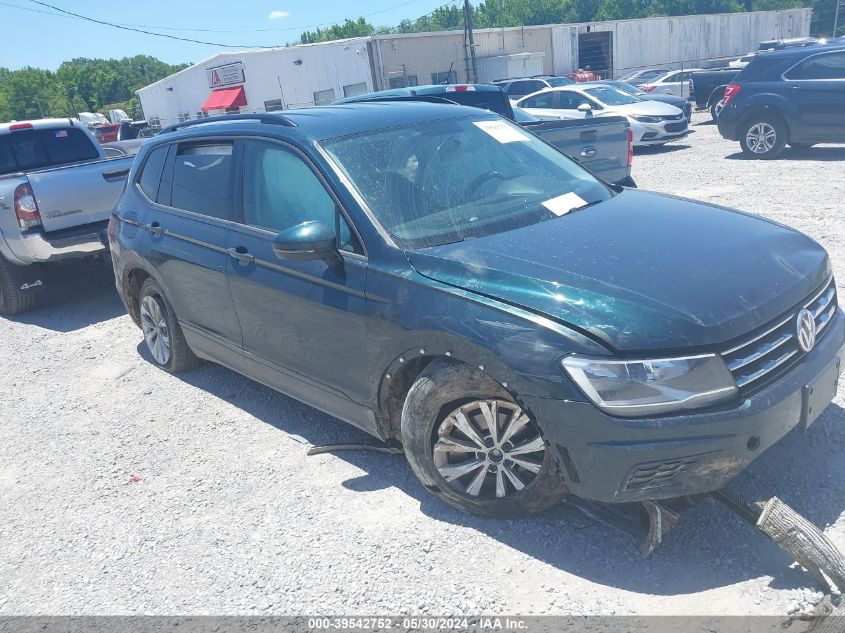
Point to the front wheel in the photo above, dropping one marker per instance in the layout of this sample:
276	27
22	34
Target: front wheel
763	137
471	445
162	334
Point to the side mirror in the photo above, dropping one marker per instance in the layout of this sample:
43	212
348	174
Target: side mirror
308	241
586	108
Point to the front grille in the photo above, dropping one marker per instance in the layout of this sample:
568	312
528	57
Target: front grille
676	127
660	474
768	355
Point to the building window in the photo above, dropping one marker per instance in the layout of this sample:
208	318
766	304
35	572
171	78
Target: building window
449	77
184	116
201	114
324	97
155	123
353	90
404	82
233	110
273	104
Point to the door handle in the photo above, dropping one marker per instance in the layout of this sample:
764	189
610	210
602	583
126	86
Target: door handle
241	254
156	229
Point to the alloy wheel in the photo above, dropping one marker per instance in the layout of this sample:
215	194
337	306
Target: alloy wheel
761	137
717	109
488	449
156	332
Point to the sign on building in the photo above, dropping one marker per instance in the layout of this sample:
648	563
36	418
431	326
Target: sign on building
225	75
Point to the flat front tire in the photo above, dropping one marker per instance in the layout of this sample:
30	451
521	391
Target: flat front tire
763	137
471	445
163	336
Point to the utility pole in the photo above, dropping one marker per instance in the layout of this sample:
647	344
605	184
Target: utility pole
468	27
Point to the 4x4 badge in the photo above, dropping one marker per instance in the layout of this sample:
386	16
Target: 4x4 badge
806	329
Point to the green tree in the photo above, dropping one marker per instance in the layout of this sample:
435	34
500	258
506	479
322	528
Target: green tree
350	28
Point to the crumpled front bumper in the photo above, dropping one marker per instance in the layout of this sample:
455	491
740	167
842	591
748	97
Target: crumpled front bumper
612	459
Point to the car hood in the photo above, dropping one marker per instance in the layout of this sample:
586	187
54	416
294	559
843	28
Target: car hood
673	100
641	271
655	108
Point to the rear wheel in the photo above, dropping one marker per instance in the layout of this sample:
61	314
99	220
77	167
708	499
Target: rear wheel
716	108
471	445
13	300
162	335
763	136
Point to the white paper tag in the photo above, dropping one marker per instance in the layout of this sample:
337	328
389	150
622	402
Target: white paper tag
501	131
564	204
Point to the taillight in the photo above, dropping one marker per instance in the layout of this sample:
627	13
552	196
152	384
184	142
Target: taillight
648	88
14	127
630	147
26	207
730	92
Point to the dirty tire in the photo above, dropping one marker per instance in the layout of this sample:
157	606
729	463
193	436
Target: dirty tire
760	126
180	357
439	389
13	300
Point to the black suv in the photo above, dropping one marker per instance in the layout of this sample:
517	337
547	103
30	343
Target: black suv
794	96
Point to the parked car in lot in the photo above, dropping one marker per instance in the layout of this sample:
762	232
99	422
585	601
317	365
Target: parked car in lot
679	102
435	275
601	145
57	190
674	82
642	76
652	123
707	88
794	96
521	86
741	62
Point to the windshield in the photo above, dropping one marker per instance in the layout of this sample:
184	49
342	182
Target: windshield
555	82
609	95
451	180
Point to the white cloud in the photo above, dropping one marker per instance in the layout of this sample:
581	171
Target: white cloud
278	15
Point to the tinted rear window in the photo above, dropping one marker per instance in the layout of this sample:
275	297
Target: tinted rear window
760	66
34	149
202	179
492	100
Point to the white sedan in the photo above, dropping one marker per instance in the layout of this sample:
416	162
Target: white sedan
652	122
675	82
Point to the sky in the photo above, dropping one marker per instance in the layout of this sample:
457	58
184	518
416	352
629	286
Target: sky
39	39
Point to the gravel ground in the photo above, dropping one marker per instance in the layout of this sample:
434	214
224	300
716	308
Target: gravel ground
126	490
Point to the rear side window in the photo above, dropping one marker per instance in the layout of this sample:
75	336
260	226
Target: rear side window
758	67
151	172
827	66
492	100
34	149
202	179
545	100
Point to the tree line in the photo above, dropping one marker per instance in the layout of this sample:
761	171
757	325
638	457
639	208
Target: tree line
79	85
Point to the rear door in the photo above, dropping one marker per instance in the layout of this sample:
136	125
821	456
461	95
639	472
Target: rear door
188	226
303	321
817	87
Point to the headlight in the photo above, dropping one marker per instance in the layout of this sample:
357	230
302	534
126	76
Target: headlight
632	388
644	118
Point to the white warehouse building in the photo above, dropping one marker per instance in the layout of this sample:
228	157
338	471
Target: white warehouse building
317	74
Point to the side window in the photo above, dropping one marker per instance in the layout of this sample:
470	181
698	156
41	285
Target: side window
571	101
829	66
545	100
202	179
516	89
151	172
281	191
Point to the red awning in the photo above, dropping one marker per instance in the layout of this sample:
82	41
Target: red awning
225	98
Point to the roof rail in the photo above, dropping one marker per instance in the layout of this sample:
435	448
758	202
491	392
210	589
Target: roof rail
273	119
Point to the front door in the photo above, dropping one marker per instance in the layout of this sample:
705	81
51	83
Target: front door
817	87
303	322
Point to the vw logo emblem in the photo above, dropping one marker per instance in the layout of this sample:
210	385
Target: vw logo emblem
588	151
806	328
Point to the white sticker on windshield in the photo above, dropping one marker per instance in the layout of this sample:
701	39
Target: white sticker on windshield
565	203
501	131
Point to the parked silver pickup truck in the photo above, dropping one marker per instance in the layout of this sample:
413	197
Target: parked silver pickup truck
57	190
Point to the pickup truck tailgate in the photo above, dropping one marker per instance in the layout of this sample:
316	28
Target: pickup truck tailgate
78	194
598	143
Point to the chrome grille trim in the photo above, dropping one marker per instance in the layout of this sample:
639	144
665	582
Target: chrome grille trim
759	356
